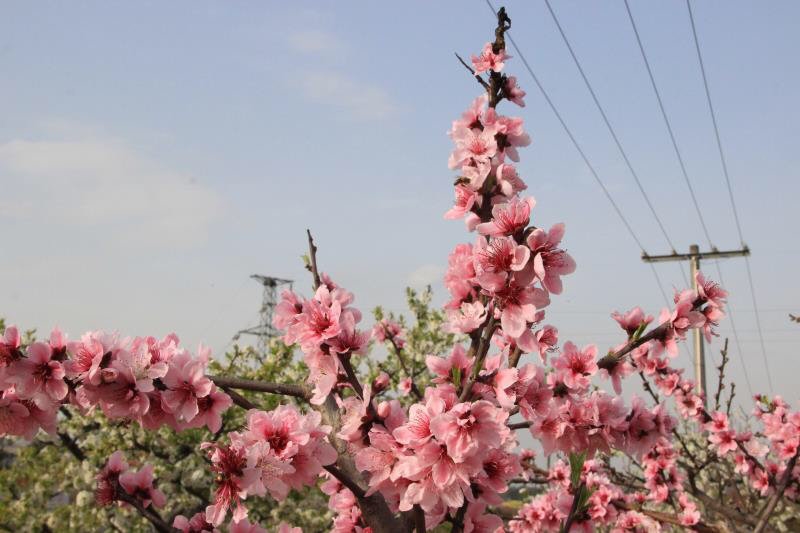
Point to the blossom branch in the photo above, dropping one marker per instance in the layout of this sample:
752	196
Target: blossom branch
286	389
153	517
477	76
345	480
665	518
480	354
573	510
763	519
721	382
612	359
312	260
239	400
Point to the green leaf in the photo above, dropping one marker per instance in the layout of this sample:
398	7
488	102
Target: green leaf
576	461
639	331
456	373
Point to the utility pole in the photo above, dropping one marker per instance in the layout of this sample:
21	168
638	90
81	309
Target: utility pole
264	331
694	257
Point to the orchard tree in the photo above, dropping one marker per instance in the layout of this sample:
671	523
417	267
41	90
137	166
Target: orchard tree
426	437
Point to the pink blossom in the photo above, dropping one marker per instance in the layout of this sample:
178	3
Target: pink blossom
40	377
197	524
210	409
140	486
632	320
513	92
404	386
459	275
466	319
518	306
446	369
508	181
228	463
465	199
186	383
488	60
548	261
319	320
576	367
496	258
108	479
244	526
15	417
508	218
467	427
417	430
288	310
283	527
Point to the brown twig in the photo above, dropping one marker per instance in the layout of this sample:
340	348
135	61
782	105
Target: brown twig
730	399
152	516
763	519
72	446
346	481
419	519
666	518
721	380
239	400
312	258
611	360
479	356
573	510
286	389
477	76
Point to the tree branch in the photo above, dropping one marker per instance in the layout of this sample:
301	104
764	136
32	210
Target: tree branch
239	400
286	389
152	516
477	76
312	258
763	519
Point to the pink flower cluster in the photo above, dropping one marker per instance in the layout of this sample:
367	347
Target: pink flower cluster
344	503
443	454
279	450
762	457
117	483
325	328
154	382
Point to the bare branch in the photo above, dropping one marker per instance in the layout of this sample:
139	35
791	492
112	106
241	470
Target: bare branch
346	481
239	400
312	258
763	519
286	389
721	381
477	76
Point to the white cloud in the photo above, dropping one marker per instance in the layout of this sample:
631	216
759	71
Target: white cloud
316	42
426	275
103	187
360	99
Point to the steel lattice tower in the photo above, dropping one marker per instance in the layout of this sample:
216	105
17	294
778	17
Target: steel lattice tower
264	331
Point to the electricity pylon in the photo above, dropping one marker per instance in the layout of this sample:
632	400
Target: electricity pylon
264	331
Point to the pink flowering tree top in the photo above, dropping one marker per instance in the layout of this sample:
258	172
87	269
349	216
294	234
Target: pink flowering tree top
433	443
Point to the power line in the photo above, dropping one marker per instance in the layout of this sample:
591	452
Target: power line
683	169
733	201
613	134
669	126
578	148
571	136
737	343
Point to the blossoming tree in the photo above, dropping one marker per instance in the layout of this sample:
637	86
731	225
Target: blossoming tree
414	443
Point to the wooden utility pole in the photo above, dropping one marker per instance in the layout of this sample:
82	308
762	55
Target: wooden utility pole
694	257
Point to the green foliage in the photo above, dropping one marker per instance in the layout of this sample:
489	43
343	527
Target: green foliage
44	487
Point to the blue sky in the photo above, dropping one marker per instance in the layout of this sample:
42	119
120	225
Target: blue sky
153	155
